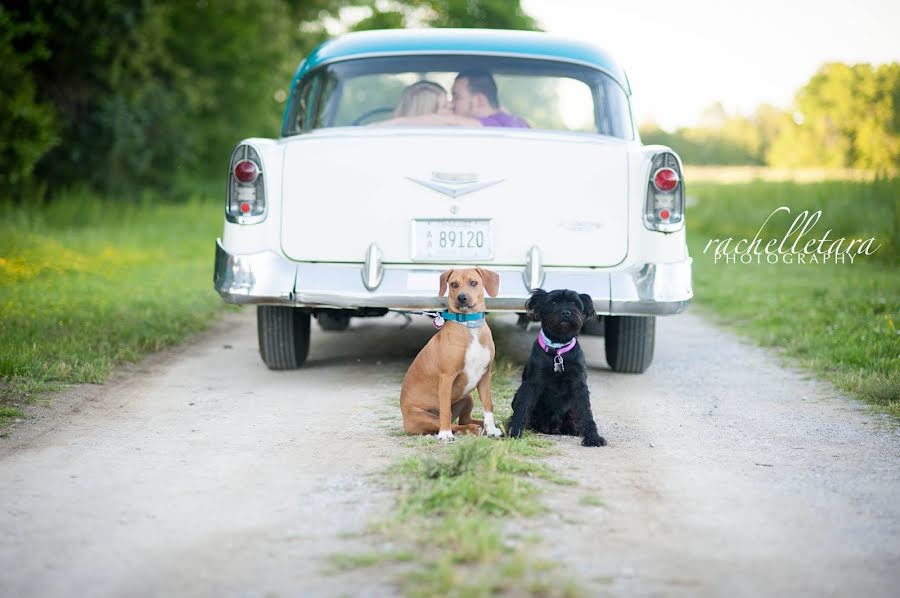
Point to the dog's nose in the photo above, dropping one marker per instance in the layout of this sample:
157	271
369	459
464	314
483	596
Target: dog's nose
566	313
462	298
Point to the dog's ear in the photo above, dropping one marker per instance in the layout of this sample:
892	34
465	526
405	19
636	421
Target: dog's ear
535	304
588	304
491	281
442	289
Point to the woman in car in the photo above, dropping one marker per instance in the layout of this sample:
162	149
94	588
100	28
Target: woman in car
423	97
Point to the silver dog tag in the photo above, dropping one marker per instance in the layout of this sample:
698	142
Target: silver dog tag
558	364
438	322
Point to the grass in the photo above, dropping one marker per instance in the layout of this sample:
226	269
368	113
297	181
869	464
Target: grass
591	500
456	504
87	284
841	321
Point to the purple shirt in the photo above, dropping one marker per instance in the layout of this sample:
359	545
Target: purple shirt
503	119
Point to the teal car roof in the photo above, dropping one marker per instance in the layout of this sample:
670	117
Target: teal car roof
526	44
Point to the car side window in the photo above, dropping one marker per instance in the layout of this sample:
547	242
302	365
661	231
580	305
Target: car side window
613	112
306	104
325	108
301	106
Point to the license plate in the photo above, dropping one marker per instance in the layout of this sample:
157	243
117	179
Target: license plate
452	240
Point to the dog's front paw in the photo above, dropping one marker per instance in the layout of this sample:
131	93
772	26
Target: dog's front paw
446	436
490	428
593	440
515	431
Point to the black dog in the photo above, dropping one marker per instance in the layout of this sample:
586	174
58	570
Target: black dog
554	397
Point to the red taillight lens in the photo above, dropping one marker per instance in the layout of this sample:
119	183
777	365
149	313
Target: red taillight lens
245	202
246	171
665	179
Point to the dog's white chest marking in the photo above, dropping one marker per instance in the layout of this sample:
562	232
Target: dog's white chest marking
476	362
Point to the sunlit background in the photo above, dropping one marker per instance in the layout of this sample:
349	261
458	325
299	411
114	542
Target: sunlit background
683	57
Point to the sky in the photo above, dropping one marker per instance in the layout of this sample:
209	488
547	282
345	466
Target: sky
682	56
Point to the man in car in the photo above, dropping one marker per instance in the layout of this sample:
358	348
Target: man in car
475	96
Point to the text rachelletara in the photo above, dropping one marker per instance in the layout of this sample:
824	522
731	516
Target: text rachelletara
792	243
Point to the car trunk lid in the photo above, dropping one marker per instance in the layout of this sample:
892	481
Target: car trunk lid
455	197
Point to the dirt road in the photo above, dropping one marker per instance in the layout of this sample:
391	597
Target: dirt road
204	474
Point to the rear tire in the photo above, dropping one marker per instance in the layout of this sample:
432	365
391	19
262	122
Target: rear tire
283	336
629	343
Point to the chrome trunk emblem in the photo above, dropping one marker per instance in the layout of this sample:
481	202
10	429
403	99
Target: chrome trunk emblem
454	184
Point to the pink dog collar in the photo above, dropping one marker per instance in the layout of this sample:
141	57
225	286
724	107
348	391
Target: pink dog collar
561	348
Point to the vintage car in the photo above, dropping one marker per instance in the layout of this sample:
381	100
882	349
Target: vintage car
359	206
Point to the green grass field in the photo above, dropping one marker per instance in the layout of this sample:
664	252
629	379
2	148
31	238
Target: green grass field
841	321
87	284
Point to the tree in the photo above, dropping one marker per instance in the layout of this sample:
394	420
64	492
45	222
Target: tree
487	14
125	94
846	116
491	14
26	124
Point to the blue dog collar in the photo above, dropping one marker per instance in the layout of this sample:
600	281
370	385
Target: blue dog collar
473	320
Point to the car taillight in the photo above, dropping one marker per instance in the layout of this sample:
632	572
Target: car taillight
665	179
246	171
664	207
246	201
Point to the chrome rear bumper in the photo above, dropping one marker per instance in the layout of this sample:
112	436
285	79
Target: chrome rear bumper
269	278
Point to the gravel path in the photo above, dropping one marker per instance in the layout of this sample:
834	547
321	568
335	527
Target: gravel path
201	473
726	475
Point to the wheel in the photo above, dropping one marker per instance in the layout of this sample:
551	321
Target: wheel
283	336
593	327
333	320
629	343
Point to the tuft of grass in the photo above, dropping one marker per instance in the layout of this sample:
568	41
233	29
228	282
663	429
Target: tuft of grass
474	475
841	321
346	562
592	501
454	508
87	284
9	414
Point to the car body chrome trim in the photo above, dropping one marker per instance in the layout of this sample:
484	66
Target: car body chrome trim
373	267
269	278
533	275
455	192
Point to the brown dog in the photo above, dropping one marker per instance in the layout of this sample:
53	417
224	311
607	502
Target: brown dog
438	385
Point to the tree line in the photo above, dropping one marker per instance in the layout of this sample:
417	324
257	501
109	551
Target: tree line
843	117
121	95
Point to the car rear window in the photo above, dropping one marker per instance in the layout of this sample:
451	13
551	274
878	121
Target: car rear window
535	94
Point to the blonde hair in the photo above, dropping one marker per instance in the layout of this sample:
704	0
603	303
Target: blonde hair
422	97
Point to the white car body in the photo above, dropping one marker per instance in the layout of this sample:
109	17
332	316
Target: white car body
346	211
